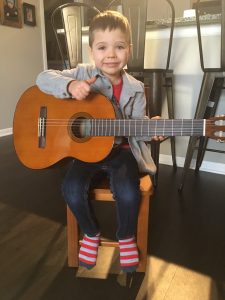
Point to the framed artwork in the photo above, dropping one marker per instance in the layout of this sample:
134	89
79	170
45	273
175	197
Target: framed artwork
208	7
29	14
11	13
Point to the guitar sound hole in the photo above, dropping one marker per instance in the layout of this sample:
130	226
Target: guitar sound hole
80	129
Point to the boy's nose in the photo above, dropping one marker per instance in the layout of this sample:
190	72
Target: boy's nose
111	53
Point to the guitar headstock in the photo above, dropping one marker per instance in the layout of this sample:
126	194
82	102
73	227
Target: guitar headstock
215	128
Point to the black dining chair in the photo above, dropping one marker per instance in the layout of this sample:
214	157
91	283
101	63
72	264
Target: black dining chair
210	94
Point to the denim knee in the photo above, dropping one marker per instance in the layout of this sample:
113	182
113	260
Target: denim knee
72	192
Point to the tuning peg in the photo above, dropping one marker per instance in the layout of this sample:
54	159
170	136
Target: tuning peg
220	141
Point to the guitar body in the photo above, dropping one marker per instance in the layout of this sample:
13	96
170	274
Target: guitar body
59	143
47	129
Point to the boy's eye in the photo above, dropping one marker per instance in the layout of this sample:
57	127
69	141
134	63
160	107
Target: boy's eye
101	48
120	47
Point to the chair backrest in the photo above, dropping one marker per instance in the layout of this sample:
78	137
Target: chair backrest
136	12
71	17
222	58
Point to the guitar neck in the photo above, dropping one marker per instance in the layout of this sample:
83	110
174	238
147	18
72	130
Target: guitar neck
146	127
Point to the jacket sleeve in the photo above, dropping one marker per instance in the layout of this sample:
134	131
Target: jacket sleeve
55	82
139	112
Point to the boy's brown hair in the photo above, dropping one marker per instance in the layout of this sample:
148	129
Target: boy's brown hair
111	20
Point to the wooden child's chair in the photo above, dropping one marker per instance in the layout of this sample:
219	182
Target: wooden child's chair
103	193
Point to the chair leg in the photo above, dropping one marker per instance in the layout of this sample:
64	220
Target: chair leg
203	141
142	232
73	239
189	155
206	88
170	103
210	112
155	148
154	99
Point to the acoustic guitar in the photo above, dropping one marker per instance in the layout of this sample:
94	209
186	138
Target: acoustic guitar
47	129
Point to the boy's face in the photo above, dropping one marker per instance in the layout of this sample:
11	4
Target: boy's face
110	51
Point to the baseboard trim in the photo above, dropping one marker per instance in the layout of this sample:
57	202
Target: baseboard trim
6	131
206	166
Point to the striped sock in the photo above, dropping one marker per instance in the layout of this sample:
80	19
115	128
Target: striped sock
88	251
129	259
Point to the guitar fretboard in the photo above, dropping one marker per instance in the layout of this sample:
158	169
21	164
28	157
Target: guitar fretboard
146	127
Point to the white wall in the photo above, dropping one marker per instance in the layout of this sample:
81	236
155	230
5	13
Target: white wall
21	59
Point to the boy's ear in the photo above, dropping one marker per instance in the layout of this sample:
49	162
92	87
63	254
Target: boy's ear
89	51
90	54
131	48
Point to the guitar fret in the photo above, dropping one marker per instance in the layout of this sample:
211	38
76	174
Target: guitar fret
92	127
181	128
98	127
129	127
104	126
164	127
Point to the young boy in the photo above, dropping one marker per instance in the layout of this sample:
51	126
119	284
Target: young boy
110	45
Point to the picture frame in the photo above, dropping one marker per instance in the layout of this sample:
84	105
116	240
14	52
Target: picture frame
11	13
208	7
29	14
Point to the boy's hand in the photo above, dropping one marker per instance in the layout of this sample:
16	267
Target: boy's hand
156	137
80	89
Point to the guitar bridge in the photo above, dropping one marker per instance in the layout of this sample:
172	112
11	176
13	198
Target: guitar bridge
42	127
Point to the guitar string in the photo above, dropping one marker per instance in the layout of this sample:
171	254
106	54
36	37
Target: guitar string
161	130
151	126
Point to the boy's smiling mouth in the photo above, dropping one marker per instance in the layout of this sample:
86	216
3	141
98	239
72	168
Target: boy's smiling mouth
111	64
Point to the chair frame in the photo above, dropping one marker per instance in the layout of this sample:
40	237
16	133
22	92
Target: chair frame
71	19
103	193
213	83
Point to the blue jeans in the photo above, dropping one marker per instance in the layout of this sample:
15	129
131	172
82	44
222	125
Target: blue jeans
122	169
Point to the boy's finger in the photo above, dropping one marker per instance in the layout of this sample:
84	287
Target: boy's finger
91	80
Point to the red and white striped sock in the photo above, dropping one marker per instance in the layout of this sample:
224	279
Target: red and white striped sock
129	258
89	251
